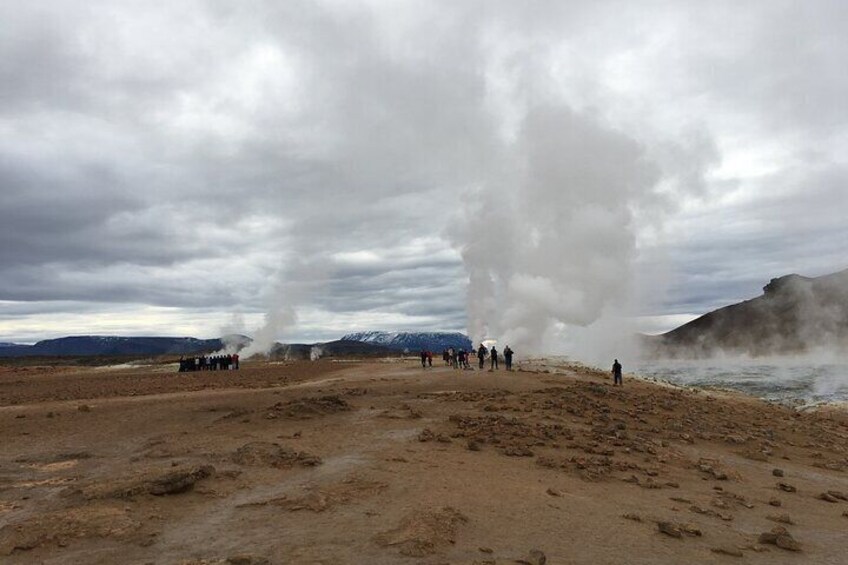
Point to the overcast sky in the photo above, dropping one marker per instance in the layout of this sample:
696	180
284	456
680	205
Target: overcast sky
185	168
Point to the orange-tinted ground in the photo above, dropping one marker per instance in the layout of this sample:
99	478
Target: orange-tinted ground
387	463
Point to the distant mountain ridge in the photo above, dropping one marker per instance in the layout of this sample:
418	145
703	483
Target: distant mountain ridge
90	345
365	344
413	341
794	315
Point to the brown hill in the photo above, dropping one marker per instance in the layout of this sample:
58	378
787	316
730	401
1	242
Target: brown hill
794	315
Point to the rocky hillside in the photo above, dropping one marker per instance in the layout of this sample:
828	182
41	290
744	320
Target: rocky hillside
794	314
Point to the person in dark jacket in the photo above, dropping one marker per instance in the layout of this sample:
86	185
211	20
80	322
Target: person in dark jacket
508	358
481	355
616	373
494	353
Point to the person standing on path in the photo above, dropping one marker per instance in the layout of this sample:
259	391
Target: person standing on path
508	358
481	356
494	353
616	373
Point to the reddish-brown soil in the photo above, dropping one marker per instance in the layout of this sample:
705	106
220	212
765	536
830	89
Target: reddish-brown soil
387	463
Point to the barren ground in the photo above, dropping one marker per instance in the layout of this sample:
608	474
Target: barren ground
387	463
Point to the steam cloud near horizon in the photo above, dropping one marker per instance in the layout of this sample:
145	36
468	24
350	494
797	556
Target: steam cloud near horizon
553	239
542	200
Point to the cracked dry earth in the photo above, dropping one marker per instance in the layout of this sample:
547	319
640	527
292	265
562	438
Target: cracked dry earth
372	462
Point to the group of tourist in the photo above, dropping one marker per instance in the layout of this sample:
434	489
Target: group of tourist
229	362
461	359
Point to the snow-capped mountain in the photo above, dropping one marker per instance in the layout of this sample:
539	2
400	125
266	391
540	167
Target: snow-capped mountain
413	341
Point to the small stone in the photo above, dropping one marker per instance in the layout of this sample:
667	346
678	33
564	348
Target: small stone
781	538
553	492
691	530
632	516
781	518
473	445
485	549
775	502
777	472
827	497
767	537
785	487
787	542
247	560
732	551
670	529
537	557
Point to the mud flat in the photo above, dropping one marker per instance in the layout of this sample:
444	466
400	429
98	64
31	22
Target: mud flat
374	462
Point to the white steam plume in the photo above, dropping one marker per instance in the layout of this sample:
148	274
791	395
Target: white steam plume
552	241
291	290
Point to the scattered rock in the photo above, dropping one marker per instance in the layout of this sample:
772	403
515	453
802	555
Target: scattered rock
838	494
518	451
473	445
691	530
775	502
632	516
785	487
63	525
267	454
732	551
179	481
426	435
310	407
781	538
788	543
777	472
670	529
536	557
423	533
84	408
781	518
247	559
827	497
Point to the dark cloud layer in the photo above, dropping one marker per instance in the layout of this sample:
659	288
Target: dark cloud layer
165	166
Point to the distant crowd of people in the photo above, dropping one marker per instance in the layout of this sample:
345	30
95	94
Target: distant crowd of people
461	359
229	362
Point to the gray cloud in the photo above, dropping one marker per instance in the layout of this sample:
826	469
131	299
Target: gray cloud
205	157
